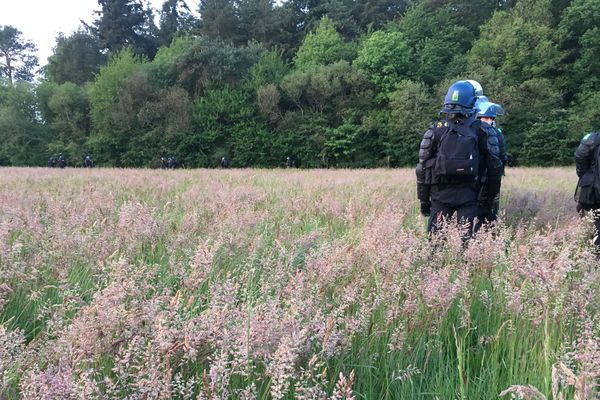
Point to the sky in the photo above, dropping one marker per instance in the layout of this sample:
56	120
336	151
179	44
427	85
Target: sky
41	20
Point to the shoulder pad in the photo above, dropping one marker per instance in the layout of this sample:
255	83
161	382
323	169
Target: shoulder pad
488	129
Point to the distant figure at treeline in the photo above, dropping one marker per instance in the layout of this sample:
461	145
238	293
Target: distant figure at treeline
172	162
290	162
88	162
224	162
61	161
169	162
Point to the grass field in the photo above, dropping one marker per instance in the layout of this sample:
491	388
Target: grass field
281	284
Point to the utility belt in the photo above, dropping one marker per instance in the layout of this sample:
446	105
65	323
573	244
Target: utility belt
453	183
456	180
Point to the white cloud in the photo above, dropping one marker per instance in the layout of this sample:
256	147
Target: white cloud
42	20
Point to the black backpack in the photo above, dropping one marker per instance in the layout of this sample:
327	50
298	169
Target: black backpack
457	155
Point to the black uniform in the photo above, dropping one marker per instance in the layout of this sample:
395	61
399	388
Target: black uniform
586	163
442	194
493	215
172	162
502	146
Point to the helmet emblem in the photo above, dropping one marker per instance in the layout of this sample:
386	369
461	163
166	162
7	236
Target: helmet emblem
455	95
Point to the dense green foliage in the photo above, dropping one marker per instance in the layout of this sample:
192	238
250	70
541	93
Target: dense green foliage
329	83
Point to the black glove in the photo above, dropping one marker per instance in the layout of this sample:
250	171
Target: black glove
490	216
425	208
486	211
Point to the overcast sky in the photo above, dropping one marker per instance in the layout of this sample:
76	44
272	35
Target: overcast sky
42	20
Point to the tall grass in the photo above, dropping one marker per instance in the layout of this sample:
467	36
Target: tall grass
281	284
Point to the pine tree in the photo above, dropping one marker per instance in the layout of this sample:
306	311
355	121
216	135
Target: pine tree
123	23
17	59
220	19
175	18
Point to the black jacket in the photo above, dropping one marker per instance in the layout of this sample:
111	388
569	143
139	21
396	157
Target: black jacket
459	193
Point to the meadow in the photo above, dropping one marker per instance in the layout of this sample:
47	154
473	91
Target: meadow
289	284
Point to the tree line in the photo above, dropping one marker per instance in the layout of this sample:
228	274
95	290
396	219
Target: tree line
331	83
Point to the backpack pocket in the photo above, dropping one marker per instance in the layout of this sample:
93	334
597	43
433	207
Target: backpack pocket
458	155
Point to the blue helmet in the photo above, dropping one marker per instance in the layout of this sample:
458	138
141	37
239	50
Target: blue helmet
460	98
487	109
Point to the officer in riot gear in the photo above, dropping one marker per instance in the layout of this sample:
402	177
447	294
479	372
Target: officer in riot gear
459	170
172	162
290	162
224	162
88	162
61	161
487	112
587	195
